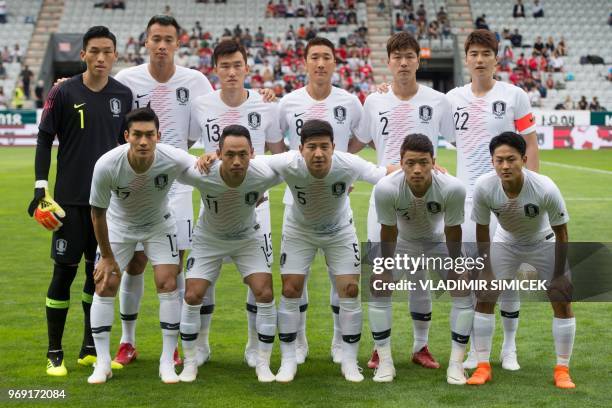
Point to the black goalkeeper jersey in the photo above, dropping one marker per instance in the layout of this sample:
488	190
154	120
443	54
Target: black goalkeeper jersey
87	124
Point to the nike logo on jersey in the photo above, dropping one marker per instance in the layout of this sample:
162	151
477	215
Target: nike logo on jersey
78	106
356	264
298	114
141	96
461	107
382	113
211	120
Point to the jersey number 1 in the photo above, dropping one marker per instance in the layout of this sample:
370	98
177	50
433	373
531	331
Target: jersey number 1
82	116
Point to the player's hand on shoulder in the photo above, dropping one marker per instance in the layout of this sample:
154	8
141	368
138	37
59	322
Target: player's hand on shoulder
106	268
268	94
205	162
382	88
59	81
45	210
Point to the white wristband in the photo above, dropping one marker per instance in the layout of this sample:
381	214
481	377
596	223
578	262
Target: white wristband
41	184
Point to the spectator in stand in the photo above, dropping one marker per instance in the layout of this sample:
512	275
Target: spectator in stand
259	37
595	106
362	30
26	76
433	30
550	82
534	96
538	45
532	64
442	16
312	31
332	23
6	54
301	10
481	23
380	8
270	9
399	22
522	62
518	10
16	54
556	61
421	13
319	9
550	44
516	39
289	10
561	48
38	93
583	104
411	27
3	101
446	29
3	17
2	71
167	11
538	10
568	104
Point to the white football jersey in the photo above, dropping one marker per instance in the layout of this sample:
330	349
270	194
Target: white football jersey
137	203
210	115
525	219
420	218
341	109
388	120
321	206
230	212
478	119
171	101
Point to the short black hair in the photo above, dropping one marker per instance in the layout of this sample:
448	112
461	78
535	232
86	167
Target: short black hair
314	128
320	41
98	32
235	130
511	139
164	20
145	114
417	142
228	47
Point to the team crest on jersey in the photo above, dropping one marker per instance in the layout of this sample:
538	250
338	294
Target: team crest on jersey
531	210
182	95
338	188
161	181
60	246
115	106
499	108
251	197
122	192
340	113
254	119
434	207
425	113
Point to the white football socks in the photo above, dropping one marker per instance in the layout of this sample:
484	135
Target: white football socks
169	321
130	295
564	332
351	320
102	316
420	310
461	318
288	320
484	326
509	305
380	312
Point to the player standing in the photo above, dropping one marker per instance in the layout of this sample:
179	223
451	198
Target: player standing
388	117
532	217
87	113
169	90
130	206
418	208
210	114
320	218
229	227
481	110
319	100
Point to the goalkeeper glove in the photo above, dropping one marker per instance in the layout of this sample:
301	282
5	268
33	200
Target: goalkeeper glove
45	210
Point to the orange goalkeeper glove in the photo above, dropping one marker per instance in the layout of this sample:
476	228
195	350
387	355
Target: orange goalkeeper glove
46	211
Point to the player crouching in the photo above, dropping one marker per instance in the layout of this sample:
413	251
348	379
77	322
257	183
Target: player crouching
532	217
130	205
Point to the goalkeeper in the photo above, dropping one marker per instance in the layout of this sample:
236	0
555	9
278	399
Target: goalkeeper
87	113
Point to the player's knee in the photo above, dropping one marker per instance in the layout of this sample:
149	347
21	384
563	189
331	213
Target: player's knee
291	290
563	310
63	275
264	294
350	290
166	285
485	307
137	264
193	297
109	288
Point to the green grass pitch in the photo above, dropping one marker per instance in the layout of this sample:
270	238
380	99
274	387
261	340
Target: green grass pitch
227	381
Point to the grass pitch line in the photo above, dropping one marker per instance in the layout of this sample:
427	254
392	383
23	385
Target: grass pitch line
581	168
